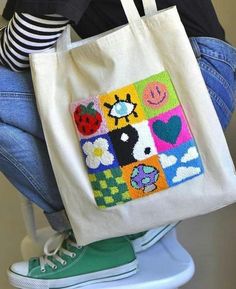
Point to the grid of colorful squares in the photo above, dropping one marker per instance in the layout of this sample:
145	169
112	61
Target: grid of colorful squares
135	141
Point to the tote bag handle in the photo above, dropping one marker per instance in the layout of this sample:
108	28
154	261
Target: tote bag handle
131	13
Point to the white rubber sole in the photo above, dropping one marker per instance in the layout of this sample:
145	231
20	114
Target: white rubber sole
151	237
117	273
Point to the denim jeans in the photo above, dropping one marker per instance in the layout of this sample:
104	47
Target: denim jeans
24	158
217	61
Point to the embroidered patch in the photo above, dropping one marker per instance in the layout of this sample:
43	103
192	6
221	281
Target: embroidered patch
121	107
144	177
181	163
133	143
157	94
99	153
109	188
136	141
88	117
170	129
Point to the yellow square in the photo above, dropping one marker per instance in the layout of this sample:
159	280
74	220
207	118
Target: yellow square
103	184
108	200
92	178
97	194
114	190
119	180
121	107
126	196
108	174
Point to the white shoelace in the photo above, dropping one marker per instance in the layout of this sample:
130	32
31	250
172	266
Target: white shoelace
56	253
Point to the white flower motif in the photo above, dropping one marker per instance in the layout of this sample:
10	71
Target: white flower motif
97	153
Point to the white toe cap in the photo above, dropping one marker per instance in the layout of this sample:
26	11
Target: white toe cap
21	268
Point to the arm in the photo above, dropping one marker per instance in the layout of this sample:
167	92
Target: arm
26	34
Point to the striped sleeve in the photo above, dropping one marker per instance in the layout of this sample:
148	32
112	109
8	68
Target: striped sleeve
26	34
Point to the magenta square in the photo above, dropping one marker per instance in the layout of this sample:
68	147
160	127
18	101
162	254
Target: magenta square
88	118
170	129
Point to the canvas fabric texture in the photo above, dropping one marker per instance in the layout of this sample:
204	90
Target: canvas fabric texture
132	134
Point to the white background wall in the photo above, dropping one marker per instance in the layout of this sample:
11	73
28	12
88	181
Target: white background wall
210	239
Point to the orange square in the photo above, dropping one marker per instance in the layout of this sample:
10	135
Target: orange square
121	107
144	177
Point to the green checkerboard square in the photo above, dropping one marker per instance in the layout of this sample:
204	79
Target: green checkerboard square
109	188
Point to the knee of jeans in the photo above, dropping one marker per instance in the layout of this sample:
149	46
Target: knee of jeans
14	81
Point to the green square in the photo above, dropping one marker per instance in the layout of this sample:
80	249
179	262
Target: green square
116	172
111	183
100	202
163	104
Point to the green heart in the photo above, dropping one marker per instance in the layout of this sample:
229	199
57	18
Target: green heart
169	131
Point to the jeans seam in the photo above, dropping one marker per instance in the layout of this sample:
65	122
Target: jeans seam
24	172
16	95
210	39
215	56
194	41
220	78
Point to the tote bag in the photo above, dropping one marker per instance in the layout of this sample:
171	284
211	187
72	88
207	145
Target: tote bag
131	131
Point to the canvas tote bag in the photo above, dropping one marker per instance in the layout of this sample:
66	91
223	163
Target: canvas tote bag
131	131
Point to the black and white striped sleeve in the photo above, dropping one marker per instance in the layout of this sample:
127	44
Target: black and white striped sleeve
26	34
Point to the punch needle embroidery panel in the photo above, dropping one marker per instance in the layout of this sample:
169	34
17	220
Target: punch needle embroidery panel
136	141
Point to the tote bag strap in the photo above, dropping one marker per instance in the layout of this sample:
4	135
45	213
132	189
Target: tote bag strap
131	13
131	10
64	41
150	7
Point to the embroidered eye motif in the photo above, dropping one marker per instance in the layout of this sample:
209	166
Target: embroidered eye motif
121	108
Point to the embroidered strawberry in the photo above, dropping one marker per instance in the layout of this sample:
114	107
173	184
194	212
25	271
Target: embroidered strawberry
87	119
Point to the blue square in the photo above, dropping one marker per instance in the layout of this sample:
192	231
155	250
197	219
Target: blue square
99	154
182	163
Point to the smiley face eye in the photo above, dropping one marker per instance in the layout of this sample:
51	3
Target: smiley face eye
121	109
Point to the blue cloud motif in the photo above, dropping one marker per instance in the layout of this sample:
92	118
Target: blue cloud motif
182	163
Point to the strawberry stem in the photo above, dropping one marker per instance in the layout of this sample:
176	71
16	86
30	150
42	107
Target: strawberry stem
88	109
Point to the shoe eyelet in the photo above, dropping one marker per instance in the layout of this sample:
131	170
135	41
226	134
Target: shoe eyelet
43	270
79	247
54	267
73	255
64	263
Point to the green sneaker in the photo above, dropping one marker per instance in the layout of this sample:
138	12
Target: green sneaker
144	240
71	266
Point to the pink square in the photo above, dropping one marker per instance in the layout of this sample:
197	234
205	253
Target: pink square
170	129
88	118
